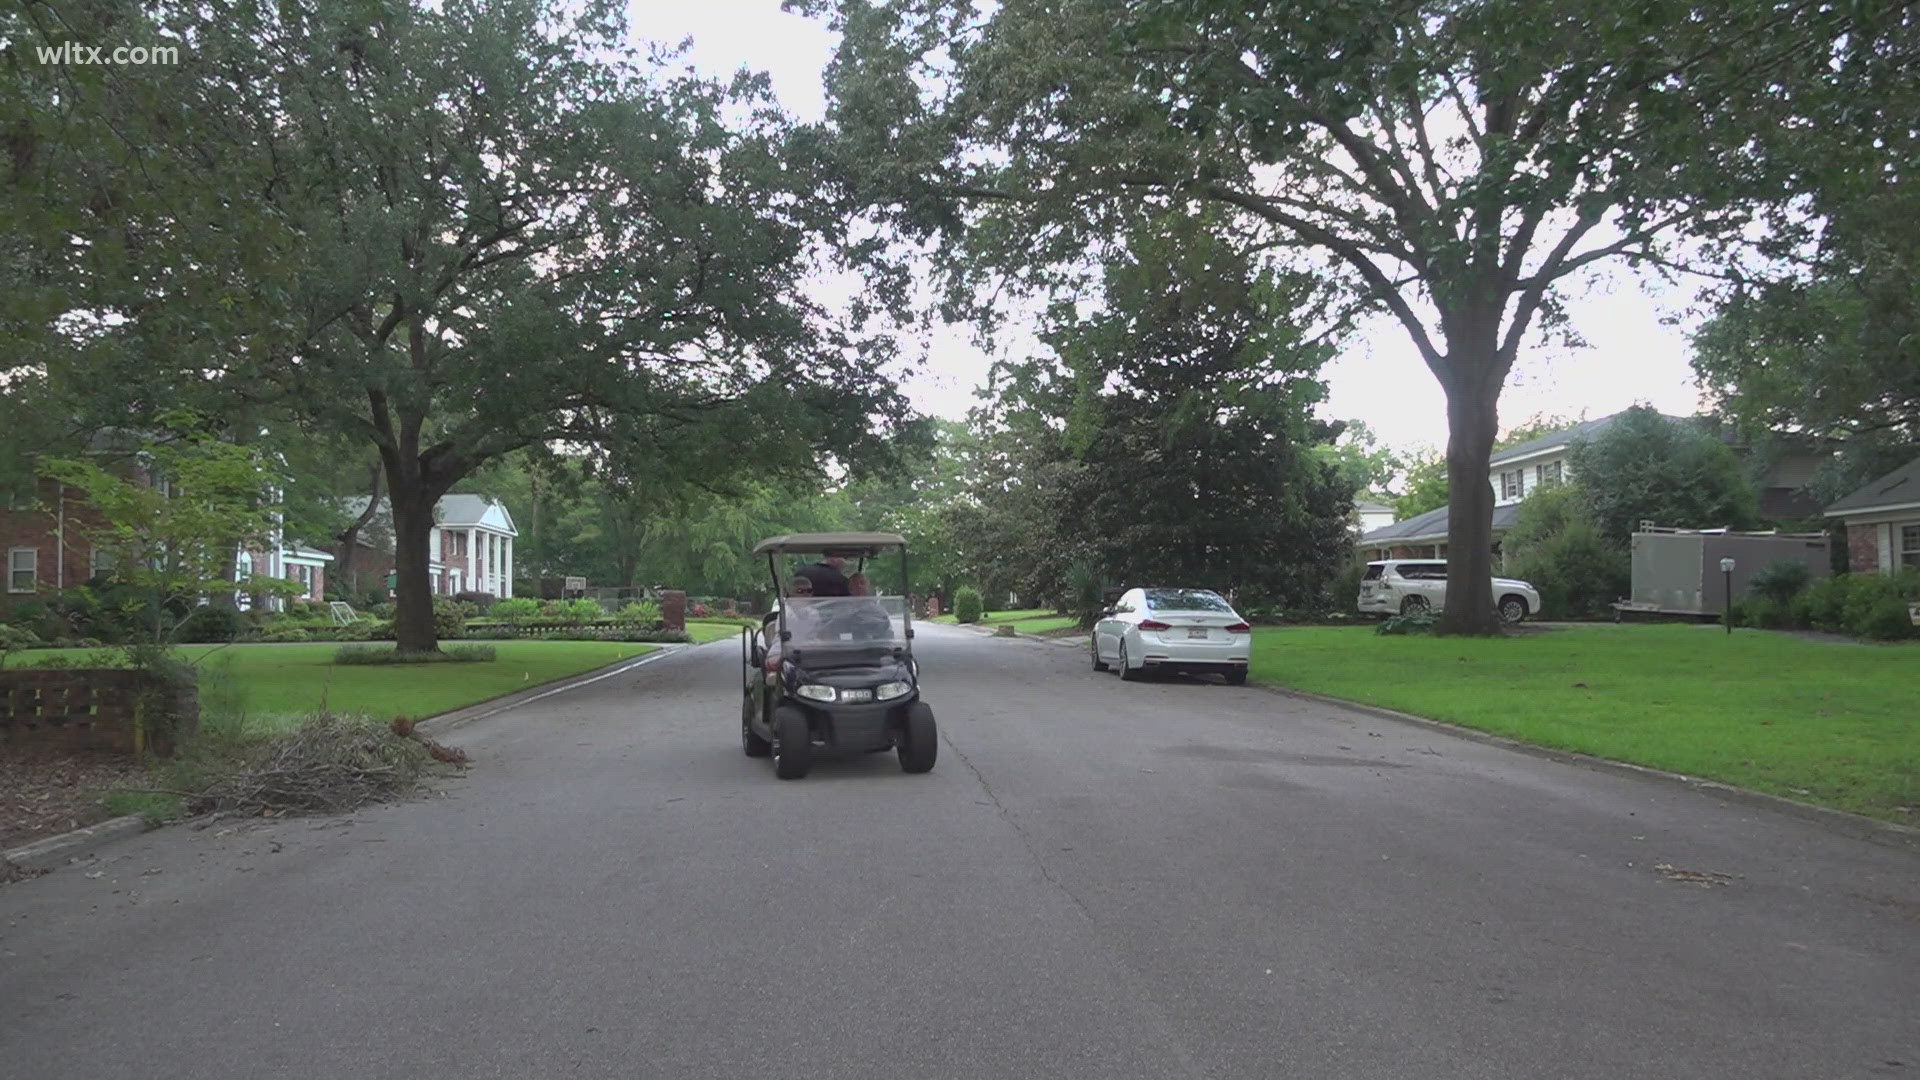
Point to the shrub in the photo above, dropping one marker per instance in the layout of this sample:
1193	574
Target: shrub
15	637
1780	581
288	633
1419	623
1343	589
516	608
482	602
966	604
1085	591
578	611
213	623
450	617
381	654
640	611
1887	620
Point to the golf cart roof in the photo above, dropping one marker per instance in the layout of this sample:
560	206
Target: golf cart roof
863	543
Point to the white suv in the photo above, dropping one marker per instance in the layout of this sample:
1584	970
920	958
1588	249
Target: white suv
1405	586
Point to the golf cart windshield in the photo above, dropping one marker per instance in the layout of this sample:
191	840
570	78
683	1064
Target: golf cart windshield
861	623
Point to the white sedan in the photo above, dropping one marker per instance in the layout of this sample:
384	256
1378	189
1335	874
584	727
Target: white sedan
1172	630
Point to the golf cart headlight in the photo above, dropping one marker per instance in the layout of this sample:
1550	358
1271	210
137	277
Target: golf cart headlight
889	691
816	692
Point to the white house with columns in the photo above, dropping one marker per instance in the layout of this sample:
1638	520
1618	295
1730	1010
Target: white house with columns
469	550
472	546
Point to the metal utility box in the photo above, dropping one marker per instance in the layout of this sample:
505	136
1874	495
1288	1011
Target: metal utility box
1677	571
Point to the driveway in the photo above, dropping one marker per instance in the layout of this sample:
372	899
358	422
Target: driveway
1099	880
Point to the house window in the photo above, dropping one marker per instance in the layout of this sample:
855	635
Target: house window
100	562
1511	486
23	565
1547	474
1910	545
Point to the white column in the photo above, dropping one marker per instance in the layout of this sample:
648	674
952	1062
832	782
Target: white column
506	582
468	560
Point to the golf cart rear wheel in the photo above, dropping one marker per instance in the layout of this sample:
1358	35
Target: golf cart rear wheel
754	745
919	739
792	743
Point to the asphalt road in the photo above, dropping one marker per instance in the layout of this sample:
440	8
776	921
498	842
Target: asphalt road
1100	880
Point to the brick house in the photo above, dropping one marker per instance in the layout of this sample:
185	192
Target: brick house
469	550
1883	522
44	528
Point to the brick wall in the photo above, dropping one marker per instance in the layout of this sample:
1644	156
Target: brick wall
93	709
1863	548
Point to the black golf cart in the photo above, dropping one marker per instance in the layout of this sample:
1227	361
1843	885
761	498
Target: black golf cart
834	672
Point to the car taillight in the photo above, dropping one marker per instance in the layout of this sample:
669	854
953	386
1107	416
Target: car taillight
1154	624
1238	628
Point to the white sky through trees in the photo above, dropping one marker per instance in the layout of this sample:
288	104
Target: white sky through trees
1379	377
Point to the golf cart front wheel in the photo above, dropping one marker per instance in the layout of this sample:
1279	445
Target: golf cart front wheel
919	739
792	743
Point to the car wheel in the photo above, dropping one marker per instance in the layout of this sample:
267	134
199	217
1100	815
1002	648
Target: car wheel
1237	677
1414	605
1512	609
792	743
754	745
1127	672
919	739
1098	664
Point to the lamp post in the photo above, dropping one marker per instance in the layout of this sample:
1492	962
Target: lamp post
1726	570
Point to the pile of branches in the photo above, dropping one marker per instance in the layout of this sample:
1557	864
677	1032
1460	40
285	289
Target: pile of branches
328	765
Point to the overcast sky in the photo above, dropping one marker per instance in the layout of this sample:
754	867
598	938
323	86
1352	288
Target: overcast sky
1379	378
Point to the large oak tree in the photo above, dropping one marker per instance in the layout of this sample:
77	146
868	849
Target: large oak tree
1452	162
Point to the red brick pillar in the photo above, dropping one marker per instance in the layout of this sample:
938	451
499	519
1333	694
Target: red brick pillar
673	609
933	607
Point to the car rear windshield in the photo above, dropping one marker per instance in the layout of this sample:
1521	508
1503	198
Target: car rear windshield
1374	570
1185	600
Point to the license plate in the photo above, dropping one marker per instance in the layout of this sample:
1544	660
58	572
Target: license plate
1197	632
856	695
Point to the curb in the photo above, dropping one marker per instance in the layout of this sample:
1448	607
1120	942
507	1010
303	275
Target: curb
57	851
52	852
1855	825
447	721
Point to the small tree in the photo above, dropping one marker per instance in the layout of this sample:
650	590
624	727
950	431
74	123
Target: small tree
169	524
1556	546
966	604
1649	467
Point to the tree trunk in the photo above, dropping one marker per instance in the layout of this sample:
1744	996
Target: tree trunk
413	628
1472	423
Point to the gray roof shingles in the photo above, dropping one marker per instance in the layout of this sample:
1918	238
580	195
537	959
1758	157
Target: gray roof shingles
1897	488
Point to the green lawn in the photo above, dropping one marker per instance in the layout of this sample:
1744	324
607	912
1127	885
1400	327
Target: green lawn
1835	724
282	682
1041	624
999	617
702	630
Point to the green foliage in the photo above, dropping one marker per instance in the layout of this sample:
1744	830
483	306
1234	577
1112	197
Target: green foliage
966	604
1401	625
450	618
212	622
1645	466
1887	620
287	633
573	611
1086	591
1556	546
1425	483
640	611
1362	464
14	637
1780	581
382	654
516	608
168	552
